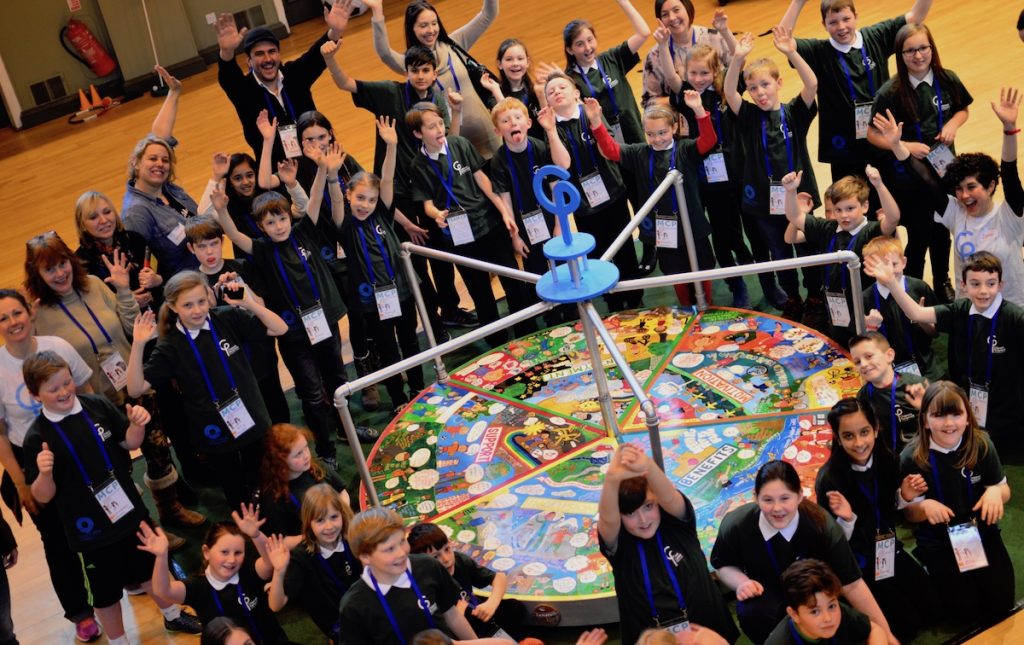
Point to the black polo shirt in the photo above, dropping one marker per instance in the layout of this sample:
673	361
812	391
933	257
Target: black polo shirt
616	62
362	276
259	621
319	583
881	401
284	515
457	164
586	159
908	340
854	629
521	190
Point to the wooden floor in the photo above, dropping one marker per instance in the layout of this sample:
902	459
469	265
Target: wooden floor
43	170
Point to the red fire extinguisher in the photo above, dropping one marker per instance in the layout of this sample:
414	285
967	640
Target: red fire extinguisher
87	49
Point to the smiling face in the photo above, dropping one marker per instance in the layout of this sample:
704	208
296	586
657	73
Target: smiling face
948	429
659	133
873	363
192	306
421	77
299	459
265	61
841	25
583	48
445	555
225	557
562	95
15	321
57	393
777	503
982	288
820	621
917	54
431	132
101	222
645	520
975	197
276	225
59	277
243	179
857	437
154	166
673	15
327	529
362	199
849	213
426	28
514	63
764	89
390	559
699	74
512	126
318	136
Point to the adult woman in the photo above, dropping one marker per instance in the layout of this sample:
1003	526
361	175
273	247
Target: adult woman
678	33
154	206
17	412
423	26
81	309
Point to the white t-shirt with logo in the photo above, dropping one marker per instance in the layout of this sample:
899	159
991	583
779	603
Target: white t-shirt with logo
1000	232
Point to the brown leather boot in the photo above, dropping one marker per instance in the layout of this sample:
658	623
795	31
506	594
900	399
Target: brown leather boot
170	510
174	542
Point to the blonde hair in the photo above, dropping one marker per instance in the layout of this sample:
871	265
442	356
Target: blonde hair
178	284
847	187
140	149
761	66
86	204
656	637
710	56
882	246
316	504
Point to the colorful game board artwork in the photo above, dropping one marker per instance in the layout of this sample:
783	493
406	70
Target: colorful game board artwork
508	457
552	370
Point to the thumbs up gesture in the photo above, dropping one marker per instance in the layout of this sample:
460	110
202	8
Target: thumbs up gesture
44	460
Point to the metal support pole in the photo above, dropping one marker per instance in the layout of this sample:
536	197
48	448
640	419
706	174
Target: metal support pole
472	263
640	215
691	248
653	432
362	467
855	288
604	396
421	308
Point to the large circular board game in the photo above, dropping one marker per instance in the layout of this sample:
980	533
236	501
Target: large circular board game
508	455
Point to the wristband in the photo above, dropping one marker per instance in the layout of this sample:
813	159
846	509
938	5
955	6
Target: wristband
332	181
1011	132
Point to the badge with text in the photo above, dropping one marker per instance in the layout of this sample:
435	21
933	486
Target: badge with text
838	308
967	547
290	141
979	403
861	119
594	189
236	417
388	305
458	224
666	231
536	228
177	235
714	168
885	556
113	500
776	198
315	322
116	370
940	157
908	367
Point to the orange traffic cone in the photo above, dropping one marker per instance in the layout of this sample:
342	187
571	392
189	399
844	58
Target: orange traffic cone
96	100
83	102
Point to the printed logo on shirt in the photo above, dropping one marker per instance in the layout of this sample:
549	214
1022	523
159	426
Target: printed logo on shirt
785	130
946	107
228	348
459	168
250	603
903	415
25	400
975	477
870	62
426	604
674	557
611	82
86	528
104	433
965	246
305	254
996	347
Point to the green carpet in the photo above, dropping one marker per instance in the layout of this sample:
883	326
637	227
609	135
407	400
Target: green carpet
300	629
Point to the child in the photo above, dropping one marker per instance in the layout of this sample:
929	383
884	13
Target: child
228	586
895	397
911	342
201	349
814	612
448	178
648	164
321	568
398	595
860	487
851	64
603	211
773	138
647	530
976	221
958	537
496	616
514	82
392	99
512	170
77	457
299	285
287	472
985	332
757	541
205	240
913	96
848	230
384	296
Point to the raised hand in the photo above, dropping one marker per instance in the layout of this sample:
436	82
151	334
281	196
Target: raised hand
172	83
1008	106
137	415
219	196
890	130
915	392
287	171
267	128
744	46
593	637
490	84
386	130
278	552
229	38
839	505
546	69
873	175
44	460
454	99
879	269
661	33
151	540
119	272
783	40
593	110
337	16
312	152
792	180
334	159
692	100
720	21
221	162
329	49
248	521
546	118
144	327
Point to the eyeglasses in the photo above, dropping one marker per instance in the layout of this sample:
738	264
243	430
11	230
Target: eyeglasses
923	49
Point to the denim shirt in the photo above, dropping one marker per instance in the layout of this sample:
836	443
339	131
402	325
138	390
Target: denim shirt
158	223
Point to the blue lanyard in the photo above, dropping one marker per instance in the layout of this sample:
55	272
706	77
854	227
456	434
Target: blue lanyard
202	366
408	96
988	344
366	252
567	130
872	498
515	178
771	553
245	608
668	569
449	184
892	407
455	79
717	112
843	276
671	167
938	483
672	49
95	349
849	78
785	137
938	99
420	600
74	455
289	110
796	635
349	568
904	322
288	283
607	86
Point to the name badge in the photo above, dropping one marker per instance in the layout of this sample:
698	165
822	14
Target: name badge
776	198
666	231
885	556
714	168
503	635
967	547
113	500
979	403
536	228
675	626
940	157
388	305
290	141
908	367
615	129
236	417
594	189
177	235
115	369
838	308
458	224
315	322
861	119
